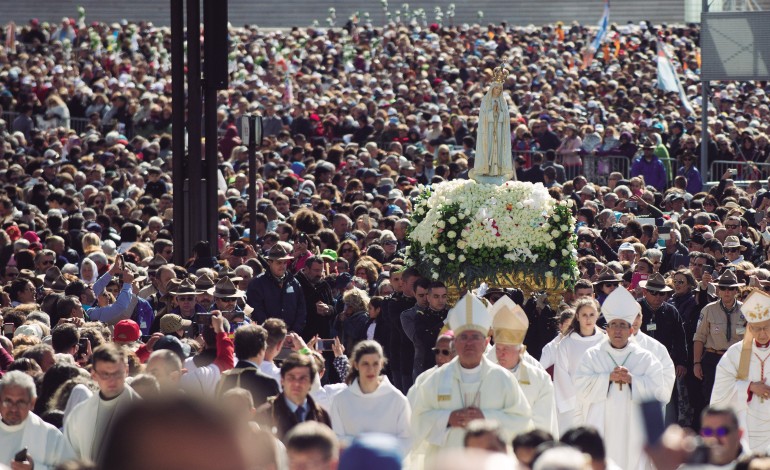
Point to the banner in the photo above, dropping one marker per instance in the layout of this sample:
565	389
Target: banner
668	79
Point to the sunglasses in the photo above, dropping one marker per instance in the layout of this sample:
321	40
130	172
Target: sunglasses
185	298
732	226
443	352
228	299
732	250
721	431
728	288
390	243
48	261
657	294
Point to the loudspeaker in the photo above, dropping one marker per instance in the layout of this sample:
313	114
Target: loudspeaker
215	44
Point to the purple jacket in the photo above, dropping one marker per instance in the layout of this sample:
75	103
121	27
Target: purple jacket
653	171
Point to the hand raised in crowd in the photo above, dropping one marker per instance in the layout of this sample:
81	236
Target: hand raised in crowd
297	342
150	344
323	309
128	276
217	321
338	347
84	359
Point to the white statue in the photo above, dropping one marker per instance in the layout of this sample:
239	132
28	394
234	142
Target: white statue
494	159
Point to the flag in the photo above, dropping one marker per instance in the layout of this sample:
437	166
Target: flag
604	26
10	38
668	79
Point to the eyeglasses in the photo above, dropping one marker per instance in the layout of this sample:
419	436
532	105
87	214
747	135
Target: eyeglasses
7	403
185	298
228	299
391	243
759	329
114	375
443	352
47	261
721	431
657	293
732	250
732	226
619	326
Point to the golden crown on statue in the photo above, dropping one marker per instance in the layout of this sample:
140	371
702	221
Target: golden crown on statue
499	75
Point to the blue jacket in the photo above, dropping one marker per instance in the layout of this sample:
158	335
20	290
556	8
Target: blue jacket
269	299
694	181
653	171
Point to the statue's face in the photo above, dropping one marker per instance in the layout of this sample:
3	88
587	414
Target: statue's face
496	90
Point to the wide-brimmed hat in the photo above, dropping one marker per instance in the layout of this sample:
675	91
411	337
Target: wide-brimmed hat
204	283
50	276
155	263
171	323
733	242
30	276
186	287
608	276
728	279
226	288
59	284
279	253
655	283
230	274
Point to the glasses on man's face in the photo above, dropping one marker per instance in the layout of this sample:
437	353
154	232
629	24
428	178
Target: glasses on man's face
657	293
47	262
18	404
443	352
185	298
618	326
759	329
228	299
392	243
731	250
728	289
732	226
721	431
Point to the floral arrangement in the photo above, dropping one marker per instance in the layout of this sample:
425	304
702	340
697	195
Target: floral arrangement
464	233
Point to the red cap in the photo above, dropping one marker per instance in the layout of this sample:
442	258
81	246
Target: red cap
127	331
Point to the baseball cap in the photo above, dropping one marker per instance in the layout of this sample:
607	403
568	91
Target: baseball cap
173	344
127	331
171	323
626	247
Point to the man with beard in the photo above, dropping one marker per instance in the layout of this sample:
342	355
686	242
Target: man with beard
319	301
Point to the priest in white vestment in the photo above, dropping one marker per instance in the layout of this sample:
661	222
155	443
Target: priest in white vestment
21	428
469	387
660	352
614	378
742	374
510	324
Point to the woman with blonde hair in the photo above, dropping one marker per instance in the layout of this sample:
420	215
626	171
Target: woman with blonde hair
370	394
91	243
351	323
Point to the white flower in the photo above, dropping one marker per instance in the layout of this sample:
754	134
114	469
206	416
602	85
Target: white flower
435	276
436	260
442	249
564	228
453	220
564	252
556	217
451	256
565	276
555	233
451	234
441	224
548	274
461	258
553	263
461	245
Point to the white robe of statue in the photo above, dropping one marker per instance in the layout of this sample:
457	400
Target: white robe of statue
497	395
754	413
493	143
614	411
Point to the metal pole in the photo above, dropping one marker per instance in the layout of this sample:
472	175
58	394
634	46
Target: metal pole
211	219
252	207
178	128
704	111
194	113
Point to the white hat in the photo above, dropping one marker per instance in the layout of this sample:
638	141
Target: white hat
756	307
509	322
626	247
469	314
621	305
29	330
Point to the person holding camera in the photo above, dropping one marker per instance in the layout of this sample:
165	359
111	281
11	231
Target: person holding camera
205	369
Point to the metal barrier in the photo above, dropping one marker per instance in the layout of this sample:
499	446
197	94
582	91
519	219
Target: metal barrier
744	170
597	169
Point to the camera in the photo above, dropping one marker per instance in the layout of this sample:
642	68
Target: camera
239	249
203	319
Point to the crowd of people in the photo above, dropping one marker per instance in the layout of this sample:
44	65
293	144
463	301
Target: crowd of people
307	336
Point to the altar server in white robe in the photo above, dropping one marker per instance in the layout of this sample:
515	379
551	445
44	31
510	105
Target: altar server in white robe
509	326
21	428
469	387
742	374
581	335
614	378
91	420
661	354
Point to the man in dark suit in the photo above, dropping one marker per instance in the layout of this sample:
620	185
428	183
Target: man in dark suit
535	173
294	405
250	342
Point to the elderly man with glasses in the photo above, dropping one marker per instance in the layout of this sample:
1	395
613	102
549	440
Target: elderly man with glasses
22	429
